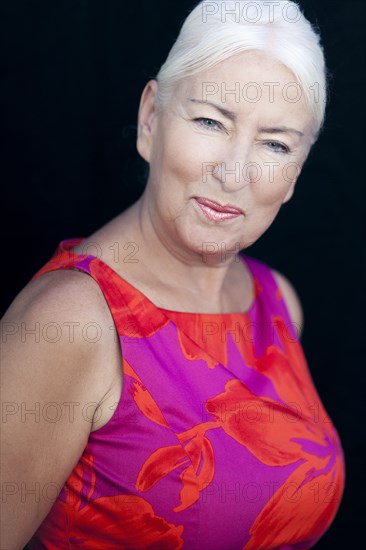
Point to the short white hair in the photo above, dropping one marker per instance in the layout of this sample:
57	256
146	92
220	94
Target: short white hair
215	31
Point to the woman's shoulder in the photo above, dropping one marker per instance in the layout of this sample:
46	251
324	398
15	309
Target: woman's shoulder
291	299
64	312
265	273
61	292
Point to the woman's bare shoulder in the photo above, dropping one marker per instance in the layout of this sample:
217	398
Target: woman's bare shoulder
66	309
291	298
70	287
62	292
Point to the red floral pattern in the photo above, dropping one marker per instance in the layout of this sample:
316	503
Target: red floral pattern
139	484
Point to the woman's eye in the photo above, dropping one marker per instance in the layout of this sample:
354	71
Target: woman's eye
278	147
208	123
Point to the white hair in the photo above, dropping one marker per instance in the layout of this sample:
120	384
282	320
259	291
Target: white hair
214	31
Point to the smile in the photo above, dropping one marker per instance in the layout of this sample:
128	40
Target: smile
215	211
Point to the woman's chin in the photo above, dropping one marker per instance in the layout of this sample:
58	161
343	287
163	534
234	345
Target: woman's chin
211	244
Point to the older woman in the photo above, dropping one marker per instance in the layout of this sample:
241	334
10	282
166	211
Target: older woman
164	400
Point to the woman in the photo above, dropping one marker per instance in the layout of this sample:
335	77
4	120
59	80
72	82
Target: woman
164	400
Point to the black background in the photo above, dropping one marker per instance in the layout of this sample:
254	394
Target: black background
71	77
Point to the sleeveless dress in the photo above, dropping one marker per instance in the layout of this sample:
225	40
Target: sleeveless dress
219	440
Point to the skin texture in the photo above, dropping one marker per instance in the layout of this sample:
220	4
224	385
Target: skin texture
177	146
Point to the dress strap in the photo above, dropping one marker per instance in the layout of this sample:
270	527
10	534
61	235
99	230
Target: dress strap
135	316
63	258
269	294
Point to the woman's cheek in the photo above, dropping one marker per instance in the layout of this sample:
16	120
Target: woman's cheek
187	163
271	183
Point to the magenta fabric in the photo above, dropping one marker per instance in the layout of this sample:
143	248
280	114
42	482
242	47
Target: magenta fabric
219	441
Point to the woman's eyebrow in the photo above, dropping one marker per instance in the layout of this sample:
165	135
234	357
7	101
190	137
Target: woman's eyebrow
224	112
281	130
232	116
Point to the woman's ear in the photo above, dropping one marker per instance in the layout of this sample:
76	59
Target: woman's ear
146	113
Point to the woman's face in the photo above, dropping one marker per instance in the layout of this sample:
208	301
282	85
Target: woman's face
248	157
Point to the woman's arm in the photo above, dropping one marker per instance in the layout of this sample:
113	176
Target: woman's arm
52	379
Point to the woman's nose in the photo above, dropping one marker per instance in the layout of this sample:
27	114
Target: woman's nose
236	169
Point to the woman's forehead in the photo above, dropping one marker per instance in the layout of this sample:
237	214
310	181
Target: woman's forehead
269	103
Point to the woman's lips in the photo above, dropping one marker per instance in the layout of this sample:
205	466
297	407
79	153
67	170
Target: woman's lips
215	211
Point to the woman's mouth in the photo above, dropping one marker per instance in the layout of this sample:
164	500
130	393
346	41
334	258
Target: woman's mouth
215	211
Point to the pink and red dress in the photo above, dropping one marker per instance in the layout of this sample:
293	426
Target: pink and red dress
219	441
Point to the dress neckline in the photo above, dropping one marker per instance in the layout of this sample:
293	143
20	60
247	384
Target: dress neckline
66	245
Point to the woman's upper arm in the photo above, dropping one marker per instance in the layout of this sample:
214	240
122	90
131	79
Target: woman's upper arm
292	300
50	388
